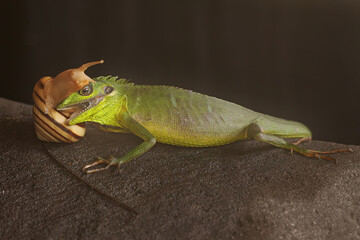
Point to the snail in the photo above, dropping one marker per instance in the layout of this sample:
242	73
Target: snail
50	124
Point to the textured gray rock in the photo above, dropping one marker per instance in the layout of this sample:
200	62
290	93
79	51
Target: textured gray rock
245	190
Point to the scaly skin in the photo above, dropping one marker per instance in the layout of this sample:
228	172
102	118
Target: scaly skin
179	117
186	118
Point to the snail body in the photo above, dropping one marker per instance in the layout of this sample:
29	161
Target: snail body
52	125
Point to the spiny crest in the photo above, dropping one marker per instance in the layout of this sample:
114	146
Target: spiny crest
114	79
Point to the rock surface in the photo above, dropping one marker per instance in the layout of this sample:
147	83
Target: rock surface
244	190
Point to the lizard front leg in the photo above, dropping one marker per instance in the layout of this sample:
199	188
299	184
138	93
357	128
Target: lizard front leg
255	132
126	121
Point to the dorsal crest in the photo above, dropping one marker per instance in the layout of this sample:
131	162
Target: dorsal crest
114	79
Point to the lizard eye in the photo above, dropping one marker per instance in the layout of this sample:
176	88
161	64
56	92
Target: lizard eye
87	90
108	90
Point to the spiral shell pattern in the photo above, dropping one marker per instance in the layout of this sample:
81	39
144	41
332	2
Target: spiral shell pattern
52	126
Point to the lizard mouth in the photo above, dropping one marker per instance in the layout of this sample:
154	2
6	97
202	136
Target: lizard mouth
78	108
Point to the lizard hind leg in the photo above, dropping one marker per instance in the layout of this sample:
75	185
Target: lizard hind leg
255	132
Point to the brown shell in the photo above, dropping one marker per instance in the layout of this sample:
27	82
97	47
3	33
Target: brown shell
51	125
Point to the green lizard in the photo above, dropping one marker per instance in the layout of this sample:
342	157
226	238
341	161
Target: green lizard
176	116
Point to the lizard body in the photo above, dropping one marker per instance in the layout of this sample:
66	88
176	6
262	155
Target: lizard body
175	116
182	117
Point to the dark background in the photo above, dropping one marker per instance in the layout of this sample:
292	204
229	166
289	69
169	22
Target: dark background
298	60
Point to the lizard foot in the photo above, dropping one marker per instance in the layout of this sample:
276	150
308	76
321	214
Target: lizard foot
320	154
302	140
110	162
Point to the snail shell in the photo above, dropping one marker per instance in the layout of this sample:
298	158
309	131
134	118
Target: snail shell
51	125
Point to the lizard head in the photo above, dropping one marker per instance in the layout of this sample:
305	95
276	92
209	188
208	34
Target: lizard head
87	102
